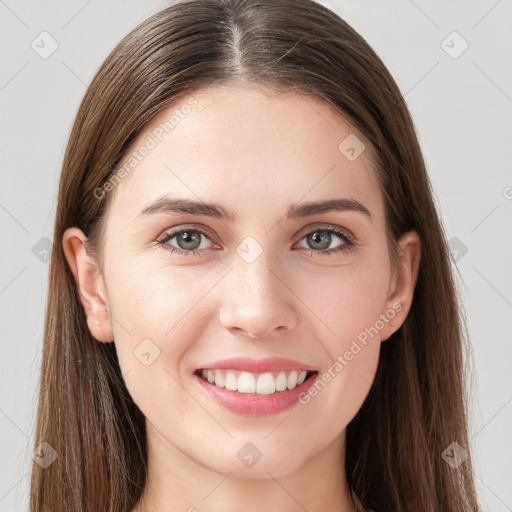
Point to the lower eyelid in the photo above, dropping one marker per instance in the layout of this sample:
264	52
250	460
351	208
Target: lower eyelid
170	236
347	240
346	243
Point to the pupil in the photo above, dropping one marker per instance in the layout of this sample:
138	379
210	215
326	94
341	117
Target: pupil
193	235
323	239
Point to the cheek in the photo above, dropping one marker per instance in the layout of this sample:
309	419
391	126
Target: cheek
352	343
157	310
347	305
155	324
341	388
151	300
346	301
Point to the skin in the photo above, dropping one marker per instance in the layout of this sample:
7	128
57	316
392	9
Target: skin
255	153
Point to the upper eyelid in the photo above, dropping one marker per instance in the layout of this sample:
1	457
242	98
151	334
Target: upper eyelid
172	232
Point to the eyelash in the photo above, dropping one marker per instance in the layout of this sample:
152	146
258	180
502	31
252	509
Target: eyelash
348	245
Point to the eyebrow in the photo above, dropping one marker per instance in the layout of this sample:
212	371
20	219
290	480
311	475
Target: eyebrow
295	211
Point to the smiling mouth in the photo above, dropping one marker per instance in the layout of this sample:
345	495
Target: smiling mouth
267	383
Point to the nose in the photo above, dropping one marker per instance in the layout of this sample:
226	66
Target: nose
257	299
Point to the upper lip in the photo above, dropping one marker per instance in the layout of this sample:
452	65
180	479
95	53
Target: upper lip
257	365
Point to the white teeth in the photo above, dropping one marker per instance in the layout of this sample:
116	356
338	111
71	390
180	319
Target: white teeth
219	379
262	384
246	383
301	378
292	379
281	382
266	384
231	382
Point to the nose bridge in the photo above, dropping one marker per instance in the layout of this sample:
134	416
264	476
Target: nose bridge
255	298
258	277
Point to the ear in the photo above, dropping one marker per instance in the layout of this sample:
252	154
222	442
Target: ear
401	289
89	283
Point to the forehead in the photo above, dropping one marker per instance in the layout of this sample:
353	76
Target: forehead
245	148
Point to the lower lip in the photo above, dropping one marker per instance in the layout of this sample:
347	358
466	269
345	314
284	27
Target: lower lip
256	405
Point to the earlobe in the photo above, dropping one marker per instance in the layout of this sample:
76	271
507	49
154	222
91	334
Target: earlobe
401	292
89	284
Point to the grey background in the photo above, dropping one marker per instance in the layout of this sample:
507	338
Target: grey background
462	111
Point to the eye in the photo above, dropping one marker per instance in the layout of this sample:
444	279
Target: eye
320	241
189	240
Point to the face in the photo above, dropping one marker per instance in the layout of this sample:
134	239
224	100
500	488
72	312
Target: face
267	279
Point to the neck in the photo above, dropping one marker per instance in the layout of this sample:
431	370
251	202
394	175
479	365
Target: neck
175	482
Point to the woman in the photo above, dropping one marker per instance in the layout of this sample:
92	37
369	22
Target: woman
205	347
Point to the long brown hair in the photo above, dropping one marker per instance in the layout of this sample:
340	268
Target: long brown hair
417	405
